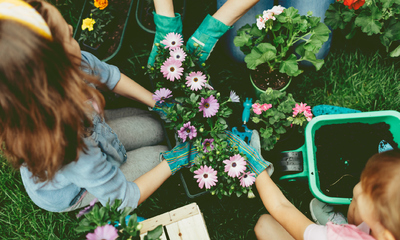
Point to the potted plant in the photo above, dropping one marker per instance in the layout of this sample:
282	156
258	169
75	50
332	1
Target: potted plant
276	113
94	27
372	17
197	113
102	25
272	42
109	222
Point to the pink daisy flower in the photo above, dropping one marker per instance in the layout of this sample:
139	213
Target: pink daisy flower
301	108
247	179
196	80
257	108
235	165
234	97
172	41
206	176
187	131
106	232
178	54
208	143
209	106
162	94
265	107
171	69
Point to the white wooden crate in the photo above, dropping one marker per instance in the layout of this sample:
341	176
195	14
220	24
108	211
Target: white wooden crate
184	223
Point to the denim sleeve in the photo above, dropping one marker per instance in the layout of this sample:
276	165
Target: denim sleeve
109	74
101	178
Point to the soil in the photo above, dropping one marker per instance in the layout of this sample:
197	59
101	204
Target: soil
342	151
114	32
263	78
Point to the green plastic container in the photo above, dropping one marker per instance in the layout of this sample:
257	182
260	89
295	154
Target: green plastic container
308	150
85	10
258	91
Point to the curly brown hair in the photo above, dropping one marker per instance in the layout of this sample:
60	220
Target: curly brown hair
44	112
380	180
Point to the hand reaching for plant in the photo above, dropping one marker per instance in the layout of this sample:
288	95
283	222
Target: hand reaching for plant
164	25
255	161
180	156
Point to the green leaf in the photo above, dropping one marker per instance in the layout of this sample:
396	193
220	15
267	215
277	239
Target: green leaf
263	53
155	233
395	52
266	132
333	17
368	24
289	66
255	31
318	63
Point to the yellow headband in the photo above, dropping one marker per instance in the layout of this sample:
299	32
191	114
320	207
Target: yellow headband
25	14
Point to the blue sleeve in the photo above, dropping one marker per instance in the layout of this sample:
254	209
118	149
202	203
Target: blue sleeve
101	178
109	74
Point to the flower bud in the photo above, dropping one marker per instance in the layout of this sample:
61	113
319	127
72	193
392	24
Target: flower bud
218	94
201	130
212	192
139	226
157	44
142	67
183	86
217	152
195	44
250	194
203	157
203	64
152	69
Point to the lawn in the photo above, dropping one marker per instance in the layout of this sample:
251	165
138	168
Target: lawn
357	74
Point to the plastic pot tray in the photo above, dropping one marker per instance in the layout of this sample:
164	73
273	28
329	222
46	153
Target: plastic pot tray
308	167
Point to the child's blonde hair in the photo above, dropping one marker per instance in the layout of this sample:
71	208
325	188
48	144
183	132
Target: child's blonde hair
43	114
380	180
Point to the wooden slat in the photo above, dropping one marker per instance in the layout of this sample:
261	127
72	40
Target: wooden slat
192	228
170	217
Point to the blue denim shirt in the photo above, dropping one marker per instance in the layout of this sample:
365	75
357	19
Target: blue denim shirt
96	171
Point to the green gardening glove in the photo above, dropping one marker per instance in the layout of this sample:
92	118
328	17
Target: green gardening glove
206	36
255	161
180	156
164	25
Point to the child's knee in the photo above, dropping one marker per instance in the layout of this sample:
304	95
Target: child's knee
262	225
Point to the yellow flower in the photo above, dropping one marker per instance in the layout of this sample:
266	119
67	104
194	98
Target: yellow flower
101	4
88	23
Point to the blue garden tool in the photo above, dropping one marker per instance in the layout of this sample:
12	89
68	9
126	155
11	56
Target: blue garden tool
246	135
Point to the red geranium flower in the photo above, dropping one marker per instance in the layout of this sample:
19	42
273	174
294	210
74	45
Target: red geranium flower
354	4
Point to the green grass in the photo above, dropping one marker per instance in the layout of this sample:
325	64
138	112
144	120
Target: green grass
354	75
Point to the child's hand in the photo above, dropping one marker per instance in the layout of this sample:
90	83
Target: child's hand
180	156
164	25
158	107
256	162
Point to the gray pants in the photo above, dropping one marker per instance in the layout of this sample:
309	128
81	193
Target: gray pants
140	133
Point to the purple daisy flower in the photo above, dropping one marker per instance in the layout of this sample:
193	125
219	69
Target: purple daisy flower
209	106
187	131
171	69
162	94
87	209
196	80
178	54
208	143
172	40
247	179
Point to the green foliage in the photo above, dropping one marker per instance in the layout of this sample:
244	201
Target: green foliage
110	214
277	120
275	45
375	17
103	18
